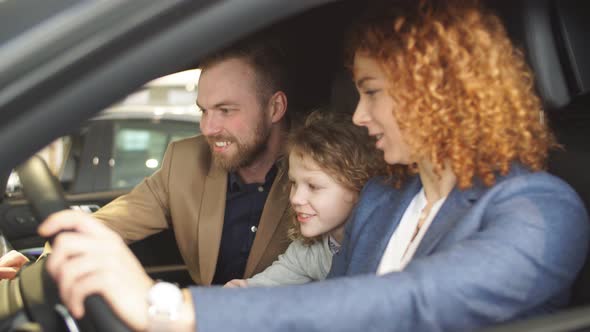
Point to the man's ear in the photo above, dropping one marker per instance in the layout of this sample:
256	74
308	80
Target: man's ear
278	106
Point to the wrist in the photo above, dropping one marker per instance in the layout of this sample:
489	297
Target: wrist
169	308
187	313
164	302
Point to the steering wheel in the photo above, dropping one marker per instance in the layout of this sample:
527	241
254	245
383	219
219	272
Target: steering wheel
45	195
4	244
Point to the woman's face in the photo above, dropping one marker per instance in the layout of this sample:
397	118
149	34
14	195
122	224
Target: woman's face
375	110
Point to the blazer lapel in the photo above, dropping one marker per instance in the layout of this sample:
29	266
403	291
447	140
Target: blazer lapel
456	205
383	224
210	221
275	206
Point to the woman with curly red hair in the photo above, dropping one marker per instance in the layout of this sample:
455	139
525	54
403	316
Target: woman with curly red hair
473	231
448	98
468	230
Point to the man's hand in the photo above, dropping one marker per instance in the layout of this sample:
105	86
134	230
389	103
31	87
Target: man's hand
236	283
89	258
10	263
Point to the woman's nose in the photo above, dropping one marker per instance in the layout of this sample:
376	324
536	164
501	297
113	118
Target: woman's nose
360	116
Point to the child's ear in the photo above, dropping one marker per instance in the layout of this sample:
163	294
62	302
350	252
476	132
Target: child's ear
278	106
355	197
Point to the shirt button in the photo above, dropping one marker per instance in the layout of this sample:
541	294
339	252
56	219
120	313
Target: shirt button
260	188
253	229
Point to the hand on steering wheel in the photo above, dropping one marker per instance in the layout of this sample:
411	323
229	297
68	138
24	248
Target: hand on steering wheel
89	258
45	195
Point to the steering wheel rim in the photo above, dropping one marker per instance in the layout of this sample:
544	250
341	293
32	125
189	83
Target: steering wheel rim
45	194
5	246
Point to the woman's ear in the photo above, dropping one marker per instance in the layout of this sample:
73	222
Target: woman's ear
278	106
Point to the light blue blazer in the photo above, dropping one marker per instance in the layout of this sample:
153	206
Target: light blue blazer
491	254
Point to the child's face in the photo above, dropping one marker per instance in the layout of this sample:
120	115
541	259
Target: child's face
321	204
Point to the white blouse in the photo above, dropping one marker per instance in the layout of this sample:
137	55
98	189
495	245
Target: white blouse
401	246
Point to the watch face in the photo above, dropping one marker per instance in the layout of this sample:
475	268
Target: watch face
164	298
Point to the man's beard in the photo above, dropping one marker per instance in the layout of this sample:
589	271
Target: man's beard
247	152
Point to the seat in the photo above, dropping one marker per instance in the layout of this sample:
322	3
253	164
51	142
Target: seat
572	164
552	33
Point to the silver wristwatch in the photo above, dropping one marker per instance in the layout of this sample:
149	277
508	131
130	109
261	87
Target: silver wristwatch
164	305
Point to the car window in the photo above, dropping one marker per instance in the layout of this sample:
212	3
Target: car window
139	147
126	142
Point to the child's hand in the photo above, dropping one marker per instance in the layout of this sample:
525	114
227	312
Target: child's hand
11	263
236	283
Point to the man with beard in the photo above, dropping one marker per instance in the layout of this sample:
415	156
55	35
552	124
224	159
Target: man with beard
224	193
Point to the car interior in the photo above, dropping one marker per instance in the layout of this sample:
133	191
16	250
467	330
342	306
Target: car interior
552	34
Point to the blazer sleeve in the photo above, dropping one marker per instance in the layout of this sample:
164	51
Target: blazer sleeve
145	210
535	240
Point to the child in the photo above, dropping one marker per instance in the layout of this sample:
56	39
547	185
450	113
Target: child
330	159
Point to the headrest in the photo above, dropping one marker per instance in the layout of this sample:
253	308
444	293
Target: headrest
573	27
552	33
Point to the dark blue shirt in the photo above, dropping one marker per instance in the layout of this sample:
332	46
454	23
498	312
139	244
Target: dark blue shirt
243	208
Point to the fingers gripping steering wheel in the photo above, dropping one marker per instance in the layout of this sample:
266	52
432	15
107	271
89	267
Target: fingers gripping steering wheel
45	195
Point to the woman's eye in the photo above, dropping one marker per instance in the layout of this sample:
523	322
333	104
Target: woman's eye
371	92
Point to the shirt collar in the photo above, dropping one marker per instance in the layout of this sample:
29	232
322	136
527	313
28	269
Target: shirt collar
235	183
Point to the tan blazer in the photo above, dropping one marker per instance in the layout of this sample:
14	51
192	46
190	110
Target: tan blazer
188	194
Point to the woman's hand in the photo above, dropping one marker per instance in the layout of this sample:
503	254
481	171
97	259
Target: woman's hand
11	263
89	258
236	283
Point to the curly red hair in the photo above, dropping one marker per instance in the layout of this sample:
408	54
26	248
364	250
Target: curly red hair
465	93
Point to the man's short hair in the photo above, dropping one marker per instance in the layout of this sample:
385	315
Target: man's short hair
268	59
